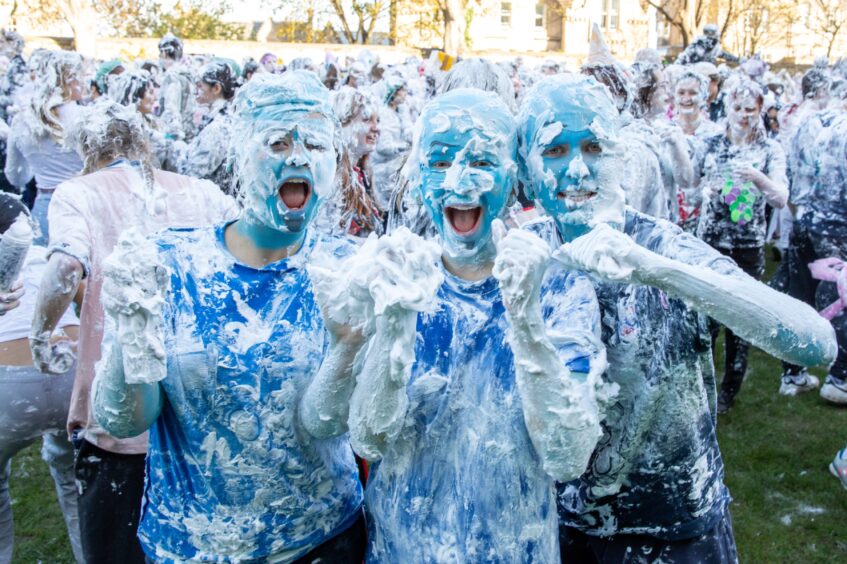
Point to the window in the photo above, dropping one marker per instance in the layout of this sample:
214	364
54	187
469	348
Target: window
611	14
540	15
506	14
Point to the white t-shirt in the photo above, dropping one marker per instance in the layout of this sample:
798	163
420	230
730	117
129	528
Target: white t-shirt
17	322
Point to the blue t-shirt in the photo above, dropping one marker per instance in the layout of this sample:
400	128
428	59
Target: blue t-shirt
463	482
657	470
231	476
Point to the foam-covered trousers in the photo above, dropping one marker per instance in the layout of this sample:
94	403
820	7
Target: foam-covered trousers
809	242
751	261
34	405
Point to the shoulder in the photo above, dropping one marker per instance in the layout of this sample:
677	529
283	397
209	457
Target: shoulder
174	238
335	246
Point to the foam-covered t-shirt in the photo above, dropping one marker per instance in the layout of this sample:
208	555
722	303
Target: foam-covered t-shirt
657	470
231	476
463	482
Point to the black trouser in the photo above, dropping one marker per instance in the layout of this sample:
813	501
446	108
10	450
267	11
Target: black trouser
807	246
715	547
347	547
751	261
112	486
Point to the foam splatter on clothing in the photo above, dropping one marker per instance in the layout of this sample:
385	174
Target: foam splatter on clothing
657	470
230	475
462	482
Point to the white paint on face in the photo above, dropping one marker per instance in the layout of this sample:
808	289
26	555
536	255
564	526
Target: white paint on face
687	98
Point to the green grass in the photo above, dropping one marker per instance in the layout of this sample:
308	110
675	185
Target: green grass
787	507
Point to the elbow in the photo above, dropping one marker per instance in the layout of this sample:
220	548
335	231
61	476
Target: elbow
569	463
319	426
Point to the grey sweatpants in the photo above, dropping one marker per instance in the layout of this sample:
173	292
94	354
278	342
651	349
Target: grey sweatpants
34	405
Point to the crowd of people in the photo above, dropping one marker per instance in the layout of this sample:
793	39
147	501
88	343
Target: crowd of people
346	310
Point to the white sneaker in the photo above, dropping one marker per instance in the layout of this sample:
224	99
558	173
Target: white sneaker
793	384
838	467
834	390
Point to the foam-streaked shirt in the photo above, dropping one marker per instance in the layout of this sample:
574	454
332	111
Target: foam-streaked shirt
657	470
463	482
87	215
231	476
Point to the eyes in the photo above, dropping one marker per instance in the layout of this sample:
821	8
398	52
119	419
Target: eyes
284	144
444	164
558	151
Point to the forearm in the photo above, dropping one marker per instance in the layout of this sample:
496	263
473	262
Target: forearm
325	406
123	410
379	402
776	194
59	285
776	323
560	408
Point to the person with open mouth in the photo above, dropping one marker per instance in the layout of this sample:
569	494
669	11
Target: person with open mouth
654	485
231	473
475	438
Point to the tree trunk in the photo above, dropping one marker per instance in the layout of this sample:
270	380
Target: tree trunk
454	28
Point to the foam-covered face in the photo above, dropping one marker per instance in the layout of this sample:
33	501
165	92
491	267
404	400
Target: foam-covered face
289	168
571	163
687	97
466	149
743	113
660	98
362	134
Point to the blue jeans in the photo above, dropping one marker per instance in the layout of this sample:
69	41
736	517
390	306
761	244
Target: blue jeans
39	212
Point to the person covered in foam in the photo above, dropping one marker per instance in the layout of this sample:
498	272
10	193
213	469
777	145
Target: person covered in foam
477	388
654	485
231	475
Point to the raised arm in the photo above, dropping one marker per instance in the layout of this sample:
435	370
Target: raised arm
776	323
127	397
560	407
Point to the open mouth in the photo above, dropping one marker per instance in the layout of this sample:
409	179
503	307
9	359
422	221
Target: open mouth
575	196
372	138
295	193
464	219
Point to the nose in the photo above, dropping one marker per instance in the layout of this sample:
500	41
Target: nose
577	170
297	156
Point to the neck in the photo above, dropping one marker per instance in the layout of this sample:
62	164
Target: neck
258	245
740	137
472	268
471	271
570	231
688	121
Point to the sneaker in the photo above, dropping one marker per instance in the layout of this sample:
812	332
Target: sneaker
793	384
834	390
838	466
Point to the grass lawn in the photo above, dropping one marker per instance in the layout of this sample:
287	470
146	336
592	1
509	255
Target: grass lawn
787	507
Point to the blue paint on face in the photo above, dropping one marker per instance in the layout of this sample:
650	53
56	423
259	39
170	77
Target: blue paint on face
285	144
466	153
571	157
568	128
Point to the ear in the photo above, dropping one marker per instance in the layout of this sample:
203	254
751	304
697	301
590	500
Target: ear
217	89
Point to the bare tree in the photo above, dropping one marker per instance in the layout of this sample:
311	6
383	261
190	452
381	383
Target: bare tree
363	14
827	21
689	16
764	22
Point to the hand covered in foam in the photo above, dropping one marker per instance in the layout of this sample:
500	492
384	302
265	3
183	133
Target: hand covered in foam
52	355
134	284
11	299
519	268
604	252
388	275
